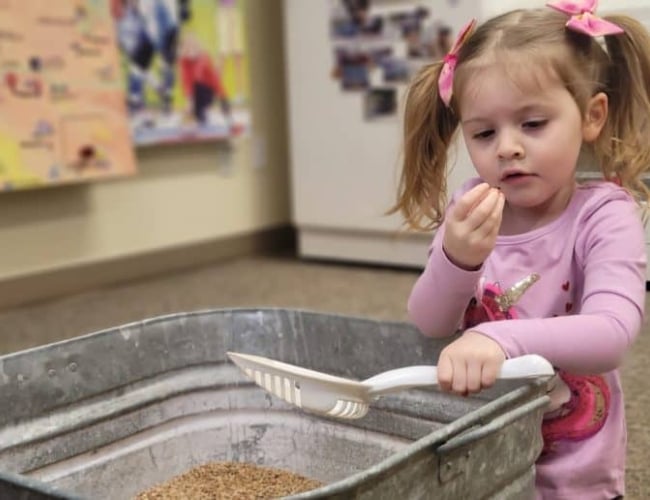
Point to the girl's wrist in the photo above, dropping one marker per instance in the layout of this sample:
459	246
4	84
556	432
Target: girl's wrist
457	263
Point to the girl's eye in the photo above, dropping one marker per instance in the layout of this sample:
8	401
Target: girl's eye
535	124
484	134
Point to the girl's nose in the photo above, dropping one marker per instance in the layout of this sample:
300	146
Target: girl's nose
509	147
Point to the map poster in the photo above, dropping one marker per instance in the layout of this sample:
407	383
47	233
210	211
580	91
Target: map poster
62	113
185	66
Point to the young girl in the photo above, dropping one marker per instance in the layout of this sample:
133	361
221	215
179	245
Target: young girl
525	258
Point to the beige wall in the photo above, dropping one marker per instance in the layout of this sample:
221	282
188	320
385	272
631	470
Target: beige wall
181	195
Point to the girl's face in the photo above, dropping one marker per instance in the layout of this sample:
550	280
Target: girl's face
526	141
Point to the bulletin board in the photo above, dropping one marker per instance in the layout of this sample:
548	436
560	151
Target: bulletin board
62	112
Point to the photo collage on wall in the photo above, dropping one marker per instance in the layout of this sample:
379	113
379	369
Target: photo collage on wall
185	66
378	45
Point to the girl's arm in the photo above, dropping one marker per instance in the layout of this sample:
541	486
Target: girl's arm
611	251
588	343
441	293
465	239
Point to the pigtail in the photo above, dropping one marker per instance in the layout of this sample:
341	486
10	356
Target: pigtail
429	127
624	144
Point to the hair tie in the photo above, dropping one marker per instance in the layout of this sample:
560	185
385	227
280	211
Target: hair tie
583	18
446	78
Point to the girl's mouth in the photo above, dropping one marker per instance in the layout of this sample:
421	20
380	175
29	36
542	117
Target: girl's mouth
516	177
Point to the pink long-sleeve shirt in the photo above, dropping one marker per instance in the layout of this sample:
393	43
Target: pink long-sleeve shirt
582	315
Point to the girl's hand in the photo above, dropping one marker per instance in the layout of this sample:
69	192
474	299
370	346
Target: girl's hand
472	226
470	363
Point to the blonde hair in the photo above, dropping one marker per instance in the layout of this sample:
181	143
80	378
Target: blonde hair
535	39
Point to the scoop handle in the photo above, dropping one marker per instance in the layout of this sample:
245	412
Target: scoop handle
527	366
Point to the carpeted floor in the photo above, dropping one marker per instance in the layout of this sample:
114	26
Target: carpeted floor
283	282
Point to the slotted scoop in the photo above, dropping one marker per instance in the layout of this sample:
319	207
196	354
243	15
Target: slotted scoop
341	397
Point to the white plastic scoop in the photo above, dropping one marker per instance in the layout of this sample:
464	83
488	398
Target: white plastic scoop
346	398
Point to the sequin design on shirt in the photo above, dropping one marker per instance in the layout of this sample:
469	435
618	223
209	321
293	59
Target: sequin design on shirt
490	303
582	416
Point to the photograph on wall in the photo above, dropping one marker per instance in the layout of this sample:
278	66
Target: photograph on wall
378	45
63	116
185	66
380	102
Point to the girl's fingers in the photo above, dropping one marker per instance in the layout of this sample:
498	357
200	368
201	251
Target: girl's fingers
498	214
492	224
500	206
459	382
445	373
474	377
483	211
466	203
489	374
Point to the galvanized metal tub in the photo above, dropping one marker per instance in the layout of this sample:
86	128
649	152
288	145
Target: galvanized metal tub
112	413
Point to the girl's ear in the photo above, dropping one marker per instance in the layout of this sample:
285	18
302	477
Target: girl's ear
595	117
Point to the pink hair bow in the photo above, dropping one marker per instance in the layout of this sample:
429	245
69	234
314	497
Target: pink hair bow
446	78
583	18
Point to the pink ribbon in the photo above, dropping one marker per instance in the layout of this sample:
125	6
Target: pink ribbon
446	78
583	18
